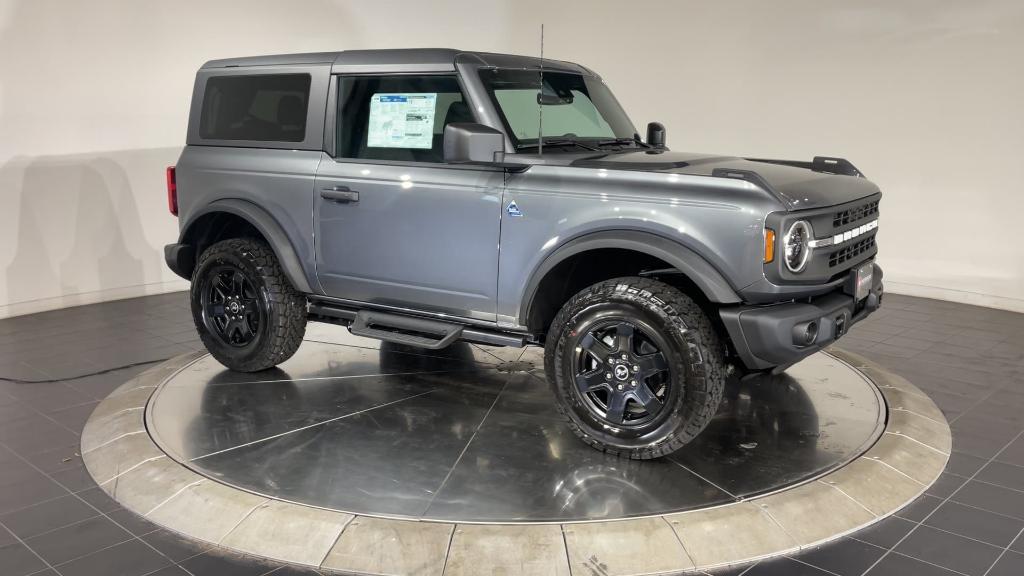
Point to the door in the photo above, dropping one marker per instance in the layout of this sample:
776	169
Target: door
394	225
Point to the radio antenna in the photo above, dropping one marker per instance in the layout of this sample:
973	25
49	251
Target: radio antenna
540	98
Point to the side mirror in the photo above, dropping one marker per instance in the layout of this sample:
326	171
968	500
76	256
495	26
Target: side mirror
656	134
470	143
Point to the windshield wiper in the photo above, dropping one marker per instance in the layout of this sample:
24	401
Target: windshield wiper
621	142
559	142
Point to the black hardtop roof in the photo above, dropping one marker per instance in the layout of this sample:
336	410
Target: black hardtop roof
419	59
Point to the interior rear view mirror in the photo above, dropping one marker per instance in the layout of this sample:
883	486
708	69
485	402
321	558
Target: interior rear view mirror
549	99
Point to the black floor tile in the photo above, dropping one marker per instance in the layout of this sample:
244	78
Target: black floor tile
975	443
49	396
174	546
992	498
977	524
35	435
28	493
74	418
101	385
17	560
6	537
1011	564
17	472
949	550
83	538
1018	544
46	516
1014	453
899	565
217	563
132	522
945	485
13	369
99	500
784	567
74	479
14	410
131	558
963	464
1003	474
919	509
56	458
846	557
174	570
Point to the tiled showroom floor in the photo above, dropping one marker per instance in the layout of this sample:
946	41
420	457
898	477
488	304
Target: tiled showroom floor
54	520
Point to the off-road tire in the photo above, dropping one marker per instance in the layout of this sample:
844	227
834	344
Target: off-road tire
283	308
694	356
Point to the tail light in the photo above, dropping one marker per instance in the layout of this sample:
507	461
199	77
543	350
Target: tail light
172	191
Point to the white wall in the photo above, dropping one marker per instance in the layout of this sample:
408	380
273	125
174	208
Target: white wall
923	95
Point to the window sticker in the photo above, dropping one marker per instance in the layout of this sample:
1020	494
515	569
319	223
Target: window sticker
402	120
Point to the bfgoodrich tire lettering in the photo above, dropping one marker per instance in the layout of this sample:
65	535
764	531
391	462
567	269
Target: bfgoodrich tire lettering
246	311
673	379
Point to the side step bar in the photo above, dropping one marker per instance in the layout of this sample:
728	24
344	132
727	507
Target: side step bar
419	332
409	330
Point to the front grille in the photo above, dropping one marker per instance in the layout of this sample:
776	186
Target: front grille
849	216
850	252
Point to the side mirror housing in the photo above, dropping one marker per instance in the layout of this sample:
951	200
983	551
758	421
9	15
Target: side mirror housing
656	134
471	143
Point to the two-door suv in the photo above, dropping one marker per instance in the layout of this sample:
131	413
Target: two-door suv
432	195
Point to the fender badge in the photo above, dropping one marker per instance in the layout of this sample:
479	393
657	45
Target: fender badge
513	209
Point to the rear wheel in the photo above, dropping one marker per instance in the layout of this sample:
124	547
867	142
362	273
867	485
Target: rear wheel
636	367
248	314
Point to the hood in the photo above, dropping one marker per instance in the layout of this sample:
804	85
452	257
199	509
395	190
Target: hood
799	188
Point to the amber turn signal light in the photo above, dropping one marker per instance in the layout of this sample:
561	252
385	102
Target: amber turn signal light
769	245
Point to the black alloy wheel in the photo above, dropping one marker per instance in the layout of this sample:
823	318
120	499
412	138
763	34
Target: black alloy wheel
621	373
636	366
232	309
247	312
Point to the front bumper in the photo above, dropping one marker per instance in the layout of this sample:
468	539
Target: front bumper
781	334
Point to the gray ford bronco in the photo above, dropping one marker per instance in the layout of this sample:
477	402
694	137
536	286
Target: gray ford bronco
433	195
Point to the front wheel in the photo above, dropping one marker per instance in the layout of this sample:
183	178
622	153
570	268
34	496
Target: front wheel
246	311
636	366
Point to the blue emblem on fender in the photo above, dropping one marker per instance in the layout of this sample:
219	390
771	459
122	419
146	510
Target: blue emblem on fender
513	209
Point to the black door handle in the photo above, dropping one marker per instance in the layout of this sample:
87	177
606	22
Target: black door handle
340	194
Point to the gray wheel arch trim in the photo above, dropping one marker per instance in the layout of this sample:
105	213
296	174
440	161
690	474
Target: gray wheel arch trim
710	281
268	226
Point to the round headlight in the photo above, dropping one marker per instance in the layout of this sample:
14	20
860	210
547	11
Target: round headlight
796	245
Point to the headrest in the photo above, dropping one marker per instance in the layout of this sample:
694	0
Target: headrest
458	112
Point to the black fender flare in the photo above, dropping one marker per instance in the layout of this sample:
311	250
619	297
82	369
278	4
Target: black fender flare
267	226
707	278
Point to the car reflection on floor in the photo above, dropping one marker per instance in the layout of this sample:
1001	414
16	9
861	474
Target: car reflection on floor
472	433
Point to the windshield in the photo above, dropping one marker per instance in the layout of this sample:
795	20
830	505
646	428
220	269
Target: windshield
575	107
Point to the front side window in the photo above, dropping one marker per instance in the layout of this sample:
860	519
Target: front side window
266	108
399	118
565	105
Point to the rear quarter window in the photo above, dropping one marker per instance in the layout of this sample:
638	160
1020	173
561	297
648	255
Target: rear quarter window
266	108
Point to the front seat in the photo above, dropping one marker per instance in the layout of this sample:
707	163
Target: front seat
458	111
